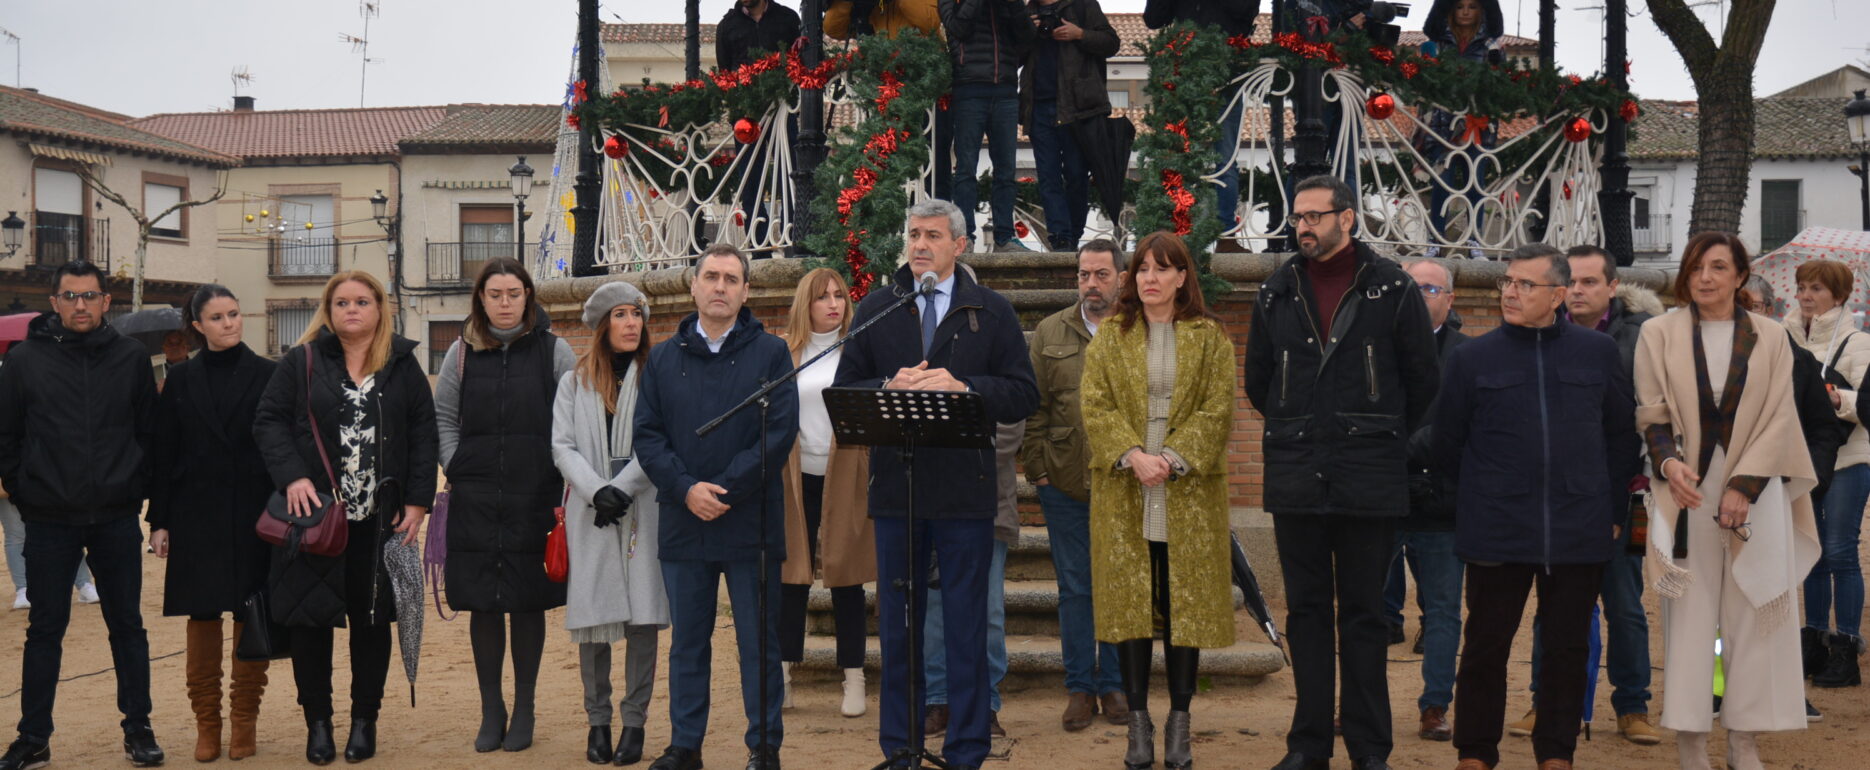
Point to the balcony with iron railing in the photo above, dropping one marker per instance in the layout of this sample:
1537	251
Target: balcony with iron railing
1651	234
309	259
61	238
457	264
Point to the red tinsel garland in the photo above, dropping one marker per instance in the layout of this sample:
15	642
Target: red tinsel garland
1179	128
887	92
1182	198
863	181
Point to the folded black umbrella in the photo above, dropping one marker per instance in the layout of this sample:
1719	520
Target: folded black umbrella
1105	143
149	326
1256	600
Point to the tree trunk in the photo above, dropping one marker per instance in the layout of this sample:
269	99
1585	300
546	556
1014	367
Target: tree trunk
1723	78
142	250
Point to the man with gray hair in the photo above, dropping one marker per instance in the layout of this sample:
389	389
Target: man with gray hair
1535	419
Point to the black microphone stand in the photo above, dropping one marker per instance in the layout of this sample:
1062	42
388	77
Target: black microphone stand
762	398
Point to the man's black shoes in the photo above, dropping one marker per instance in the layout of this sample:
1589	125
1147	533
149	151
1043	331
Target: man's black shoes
139	746
1297	761
25	755
677	758
763	758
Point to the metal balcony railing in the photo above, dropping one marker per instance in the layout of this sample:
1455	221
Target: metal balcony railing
61	238
302	258
459	263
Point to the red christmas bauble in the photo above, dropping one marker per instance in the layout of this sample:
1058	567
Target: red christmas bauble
614	147
1020	229
746	131
1578	130
1381	106
1567	190
1628	111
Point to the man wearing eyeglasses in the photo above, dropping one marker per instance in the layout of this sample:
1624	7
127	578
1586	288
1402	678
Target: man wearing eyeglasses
76	405
1341	364
1538	429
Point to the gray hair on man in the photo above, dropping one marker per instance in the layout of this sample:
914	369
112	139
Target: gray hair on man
1559	270
1447	276
936	207
728	250
1764	288
1118	260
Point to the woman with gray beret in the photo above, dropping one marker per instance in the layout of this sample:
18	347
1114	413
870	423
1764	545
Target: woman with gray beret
615	587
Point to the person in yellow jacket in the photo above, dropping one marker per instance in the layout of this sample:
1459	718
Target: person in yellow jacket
886	16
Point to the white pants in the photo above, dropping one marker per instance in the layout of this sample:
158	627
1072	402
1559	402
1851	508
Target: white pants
1765	679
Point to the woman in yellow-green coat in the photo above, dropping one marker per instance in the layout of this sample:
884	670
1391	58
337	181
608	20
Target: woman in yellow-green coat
1158	396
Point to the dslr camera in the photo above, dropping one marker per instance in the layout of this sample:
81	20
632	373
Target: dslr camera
1049	20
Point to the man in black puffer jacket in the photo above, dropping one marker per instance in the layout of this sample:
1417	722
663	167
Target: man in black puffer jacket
77	403
1341	365
987	40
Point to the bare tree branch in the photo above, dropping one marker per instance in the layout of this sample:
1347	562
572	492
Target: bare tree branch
143	222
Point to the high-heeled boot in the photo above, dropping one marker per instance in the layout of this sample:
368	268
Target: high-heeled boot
1742	752
1176	754
1142	752
243	704
203	680
1691	749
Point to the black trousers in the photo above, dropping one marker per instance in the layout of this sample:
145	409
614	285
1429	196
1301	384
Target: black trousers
1337	560
370	666
1496	599
847	602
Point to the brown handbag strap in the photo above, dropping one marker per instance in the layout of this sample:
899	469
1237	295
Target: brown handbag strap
311	419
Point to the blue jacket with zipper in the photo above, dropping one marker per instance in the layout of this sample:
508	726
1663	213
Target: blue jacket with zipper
684	386
1538	429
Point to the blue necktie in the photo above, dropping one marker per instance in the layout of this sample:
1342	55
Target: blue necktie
929	321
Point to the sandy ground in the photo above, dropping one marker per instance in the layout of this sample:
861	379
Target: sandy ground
1237	726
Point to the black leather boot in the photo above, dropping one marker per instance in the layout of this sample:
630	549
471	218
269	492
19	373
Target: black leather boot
1812	650
319	750
363	742
597	745
630	746
1841	664
1141	754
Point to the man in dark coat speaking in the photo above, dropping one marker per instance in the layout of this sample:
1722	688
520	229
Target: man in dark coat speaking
962	337
709	488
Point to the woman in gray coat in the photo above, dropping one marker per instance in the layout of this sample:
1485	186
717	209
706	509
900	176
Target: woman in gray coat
615	587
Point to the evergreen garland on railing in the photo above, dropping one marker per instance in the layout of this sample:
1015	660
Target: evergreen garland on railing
1188	85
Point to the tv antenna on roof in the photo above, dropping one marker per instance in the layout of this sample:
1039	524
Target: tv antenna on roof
360	44
241	77
17	47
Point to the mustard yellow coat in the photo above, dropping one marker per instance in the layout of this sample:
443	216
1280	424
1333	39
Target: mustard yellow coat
1201	416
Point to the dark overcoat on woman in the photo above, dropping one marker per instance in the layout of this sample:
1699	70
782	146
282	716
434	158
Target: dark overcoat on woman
210	482
503	485
310	590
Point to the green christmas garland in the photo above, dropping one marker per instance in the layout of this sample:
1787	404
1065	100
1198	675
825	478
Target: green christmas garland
1188	77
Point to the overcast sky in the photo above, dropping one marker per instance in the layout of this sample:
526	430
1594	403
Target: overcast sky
141	57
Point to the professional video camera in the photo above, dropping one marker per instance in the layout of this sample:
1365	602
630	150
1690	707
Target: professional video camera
1378	15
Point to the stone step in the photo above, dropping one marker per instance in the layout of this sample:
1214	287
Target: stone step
1035	661
1031	608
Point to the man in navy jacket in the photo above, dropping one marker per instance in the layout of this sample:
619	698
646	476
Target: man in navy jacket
709	489
964	337
1537	427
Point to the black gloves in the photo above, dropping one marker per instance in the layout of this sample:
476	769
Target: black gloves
611	505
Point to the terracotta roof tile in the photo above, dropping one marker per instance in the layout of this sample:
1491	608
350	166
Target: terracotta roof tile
471	125
653	33
1785	127
297	133
25	112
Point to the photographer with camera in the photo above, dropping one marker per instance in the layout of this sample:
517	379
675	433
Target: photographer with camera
986	41
1062	84
1231	17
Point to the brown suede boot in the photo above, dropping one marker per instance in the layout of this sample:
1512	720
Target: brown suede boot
203	678
243	703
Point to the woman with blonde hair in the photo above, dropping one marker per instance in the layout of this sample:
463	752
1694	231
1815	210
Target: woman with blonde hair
1731	533
350	391
827	489
614	590
1158	394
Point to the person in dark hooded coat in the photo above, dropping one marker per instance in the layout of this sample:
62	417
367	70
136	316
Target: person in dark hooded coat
1472	30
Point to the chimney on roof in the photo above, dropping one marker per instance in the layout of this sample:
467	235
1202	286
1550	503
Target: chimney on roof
243	103
30	90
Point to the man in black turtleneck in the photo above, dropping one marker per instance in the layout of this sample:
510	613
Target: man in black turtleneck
76	409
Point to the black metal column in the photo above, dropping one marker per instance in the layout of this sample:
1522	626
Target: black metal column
1276	117
691	41
1548	23
1863	192
1309	137
1614	199
584	214
808	148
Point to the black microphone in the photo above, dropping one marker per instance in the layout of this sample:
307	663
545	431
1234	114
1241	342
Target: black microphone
927	281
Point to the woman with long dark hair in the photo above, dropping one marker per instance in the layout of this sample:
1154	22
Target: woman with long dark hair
615	588
1158	394
503	487
1731	534
359	398
207	487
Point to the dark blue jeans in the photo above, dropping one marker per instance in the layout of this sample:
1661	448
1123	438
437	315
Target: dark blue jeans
1064	183
1438	590
53	552
1227	198
1838	578
1626	656
1396	587
985	113
693	588
1090	665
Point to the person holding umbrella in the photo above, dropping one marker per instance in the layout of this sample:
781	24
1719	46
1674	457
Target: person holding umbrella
209	486
1061	85
1158	409
350	390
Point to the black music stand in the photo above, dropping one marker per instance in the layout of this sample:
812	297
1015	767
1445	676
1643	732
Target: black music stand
908	419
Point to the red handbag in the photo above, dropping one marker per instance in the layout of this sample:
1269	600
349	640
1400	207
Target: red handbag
327	530
558	548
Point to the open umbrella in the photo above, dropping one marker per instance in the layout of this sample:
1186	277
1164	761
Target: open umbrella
404	563
1256	599
1104	143
149	326
1851	247
13	328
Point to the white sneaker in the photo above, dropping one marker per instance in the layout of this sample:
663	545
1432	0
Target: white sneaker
853	693
19	601
785	685
87	593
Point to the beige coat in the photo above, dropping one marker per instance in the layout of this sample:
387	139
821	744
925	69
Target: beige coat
1827	338
847	546
1201	417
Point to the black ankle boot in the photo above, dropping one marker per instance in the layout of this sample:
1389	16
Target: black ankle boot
363	742
597	745
629	746
319	749
1812	650
492	724
1841	663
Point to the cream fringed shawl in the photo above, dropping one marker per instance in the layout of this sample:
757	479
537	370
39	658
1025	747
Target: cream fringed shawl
1767	442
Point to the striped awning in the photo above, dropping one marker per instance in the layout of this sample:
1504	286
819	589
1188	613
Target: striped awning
67	153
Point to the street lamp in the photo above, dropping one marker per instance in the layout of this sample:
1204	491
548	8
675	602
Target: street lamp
15	229
520	178
1857	118
380	208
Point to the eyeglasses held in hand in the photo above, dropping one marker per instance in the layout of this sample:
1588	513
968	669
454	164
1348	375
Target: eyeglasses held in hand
1311	217
75	297
1524	285
1744	531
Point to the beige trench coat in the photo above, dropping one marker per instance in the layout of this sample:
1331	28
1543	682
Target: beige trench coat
847	546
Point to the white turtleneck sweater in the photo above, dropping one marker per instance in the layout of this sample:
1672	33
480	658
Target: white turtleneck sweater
814	421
